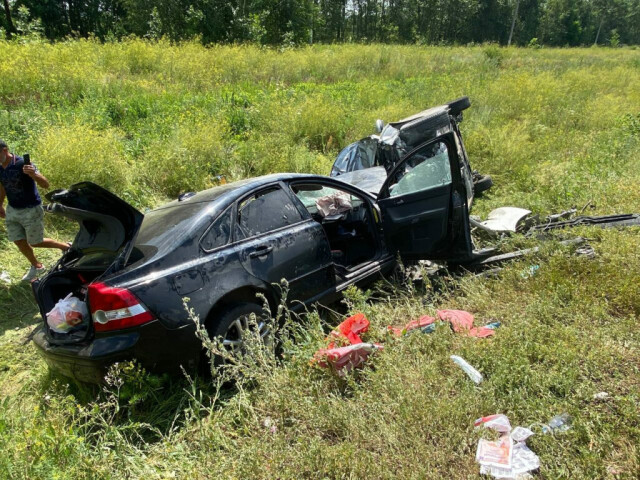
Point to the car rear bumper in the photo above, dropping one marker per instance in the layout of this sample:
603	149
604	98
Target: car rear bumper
156	348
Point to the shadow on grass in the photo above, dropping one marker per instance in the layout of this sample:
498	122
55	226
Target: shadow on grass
19	307
148	406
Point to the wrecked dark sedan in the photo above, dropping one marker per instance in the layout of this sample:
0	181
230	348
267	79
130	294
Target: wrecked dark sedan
222	247
397	139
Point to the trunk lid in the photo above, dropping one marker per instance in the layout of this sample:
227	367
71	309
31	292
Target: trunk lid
107	227
106	221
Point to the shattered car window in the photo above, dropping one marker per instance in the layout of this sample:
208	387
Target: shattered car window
219	233
311	196
427	168
357	156
265	211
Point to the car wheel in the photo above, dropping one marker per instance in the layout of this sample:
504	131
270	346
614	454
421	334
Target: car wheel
458	105
234	324
482	183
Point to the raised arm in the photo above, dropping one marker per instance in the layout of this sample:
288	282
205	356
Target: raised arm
33	172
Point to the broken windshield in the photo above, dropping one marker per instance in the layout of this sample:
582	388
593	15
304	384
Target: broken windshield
427	168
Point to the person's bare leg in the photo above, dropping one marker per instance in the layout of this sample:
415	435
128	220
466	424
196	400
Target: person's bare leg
50	243
27	251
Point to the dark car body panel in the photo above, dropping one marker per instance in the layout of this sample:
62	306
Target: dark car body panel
167	263
89	361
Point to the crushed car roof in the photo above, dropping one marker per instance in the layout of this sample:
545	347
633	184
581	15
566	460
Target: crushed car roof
370	179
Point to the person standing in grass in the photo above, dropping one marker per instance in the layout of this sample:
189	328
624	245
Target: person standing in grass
24	216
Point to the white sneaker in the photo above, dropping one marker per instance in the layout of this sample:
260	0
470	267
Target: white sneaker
33	273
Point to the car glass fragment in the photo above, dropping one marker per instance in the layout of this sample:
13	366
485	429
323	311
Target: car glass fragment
265	211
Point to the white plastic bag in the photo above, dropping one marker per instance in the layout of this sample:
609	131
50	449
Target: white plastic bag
67	313
471	372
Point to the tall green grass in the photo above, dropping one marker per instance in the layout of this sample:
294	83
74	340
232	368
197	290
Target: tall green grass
160	118
555	128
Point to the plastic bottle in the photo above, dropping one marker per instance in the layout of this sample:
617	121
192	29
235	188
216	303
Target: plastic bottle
471	372
559	423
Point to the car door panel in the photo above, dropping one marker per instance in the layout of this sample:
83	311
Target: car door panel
298	252
416	223
416	201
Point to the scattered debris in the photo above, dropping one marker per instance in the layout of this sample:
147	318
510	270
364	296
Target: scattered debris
508	457
431	328
462	322
585	251
558	424
348	332
605	221
471	372
601	396
489	259
498	422
5	277
530	271
504	219
270	424
556	217
422	322
345	359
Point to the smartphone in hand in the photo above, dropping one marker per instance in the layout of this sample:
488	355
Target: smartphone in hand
27	159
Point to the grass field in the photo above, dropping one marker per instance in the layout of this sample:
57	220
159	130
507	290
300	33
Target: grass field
555	128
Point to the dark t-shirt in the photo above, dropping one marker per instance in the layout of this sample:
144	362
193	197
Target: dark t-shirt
21	189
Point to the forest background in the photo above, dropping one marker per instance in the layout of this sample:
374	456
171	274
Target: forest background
296	22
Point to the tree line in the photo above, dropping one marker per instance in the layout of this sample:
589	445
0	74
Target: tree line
284	22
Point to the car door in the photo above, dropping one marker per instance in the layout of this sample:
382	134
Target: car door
279	242
423	204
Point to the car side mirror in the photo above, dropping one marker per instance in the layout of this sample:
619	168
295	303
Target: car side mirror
379	125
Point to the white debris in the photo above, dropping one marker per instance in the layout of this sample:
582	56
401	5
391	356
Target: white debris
471	372
508	457
505	219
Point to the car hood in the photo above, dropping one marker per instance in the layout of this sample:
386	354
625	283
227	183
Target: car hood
370	179
106	221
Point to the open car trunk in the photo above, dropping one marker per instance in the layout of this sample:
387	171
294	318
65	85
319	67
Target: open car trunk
107	227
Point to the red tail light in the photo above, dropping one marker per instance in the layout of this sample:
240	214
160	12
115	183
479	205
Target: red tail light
115	308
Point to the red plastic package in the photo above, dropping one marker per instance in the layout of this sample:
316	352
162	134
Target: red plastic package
350	329
462	322
345	359
422	322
